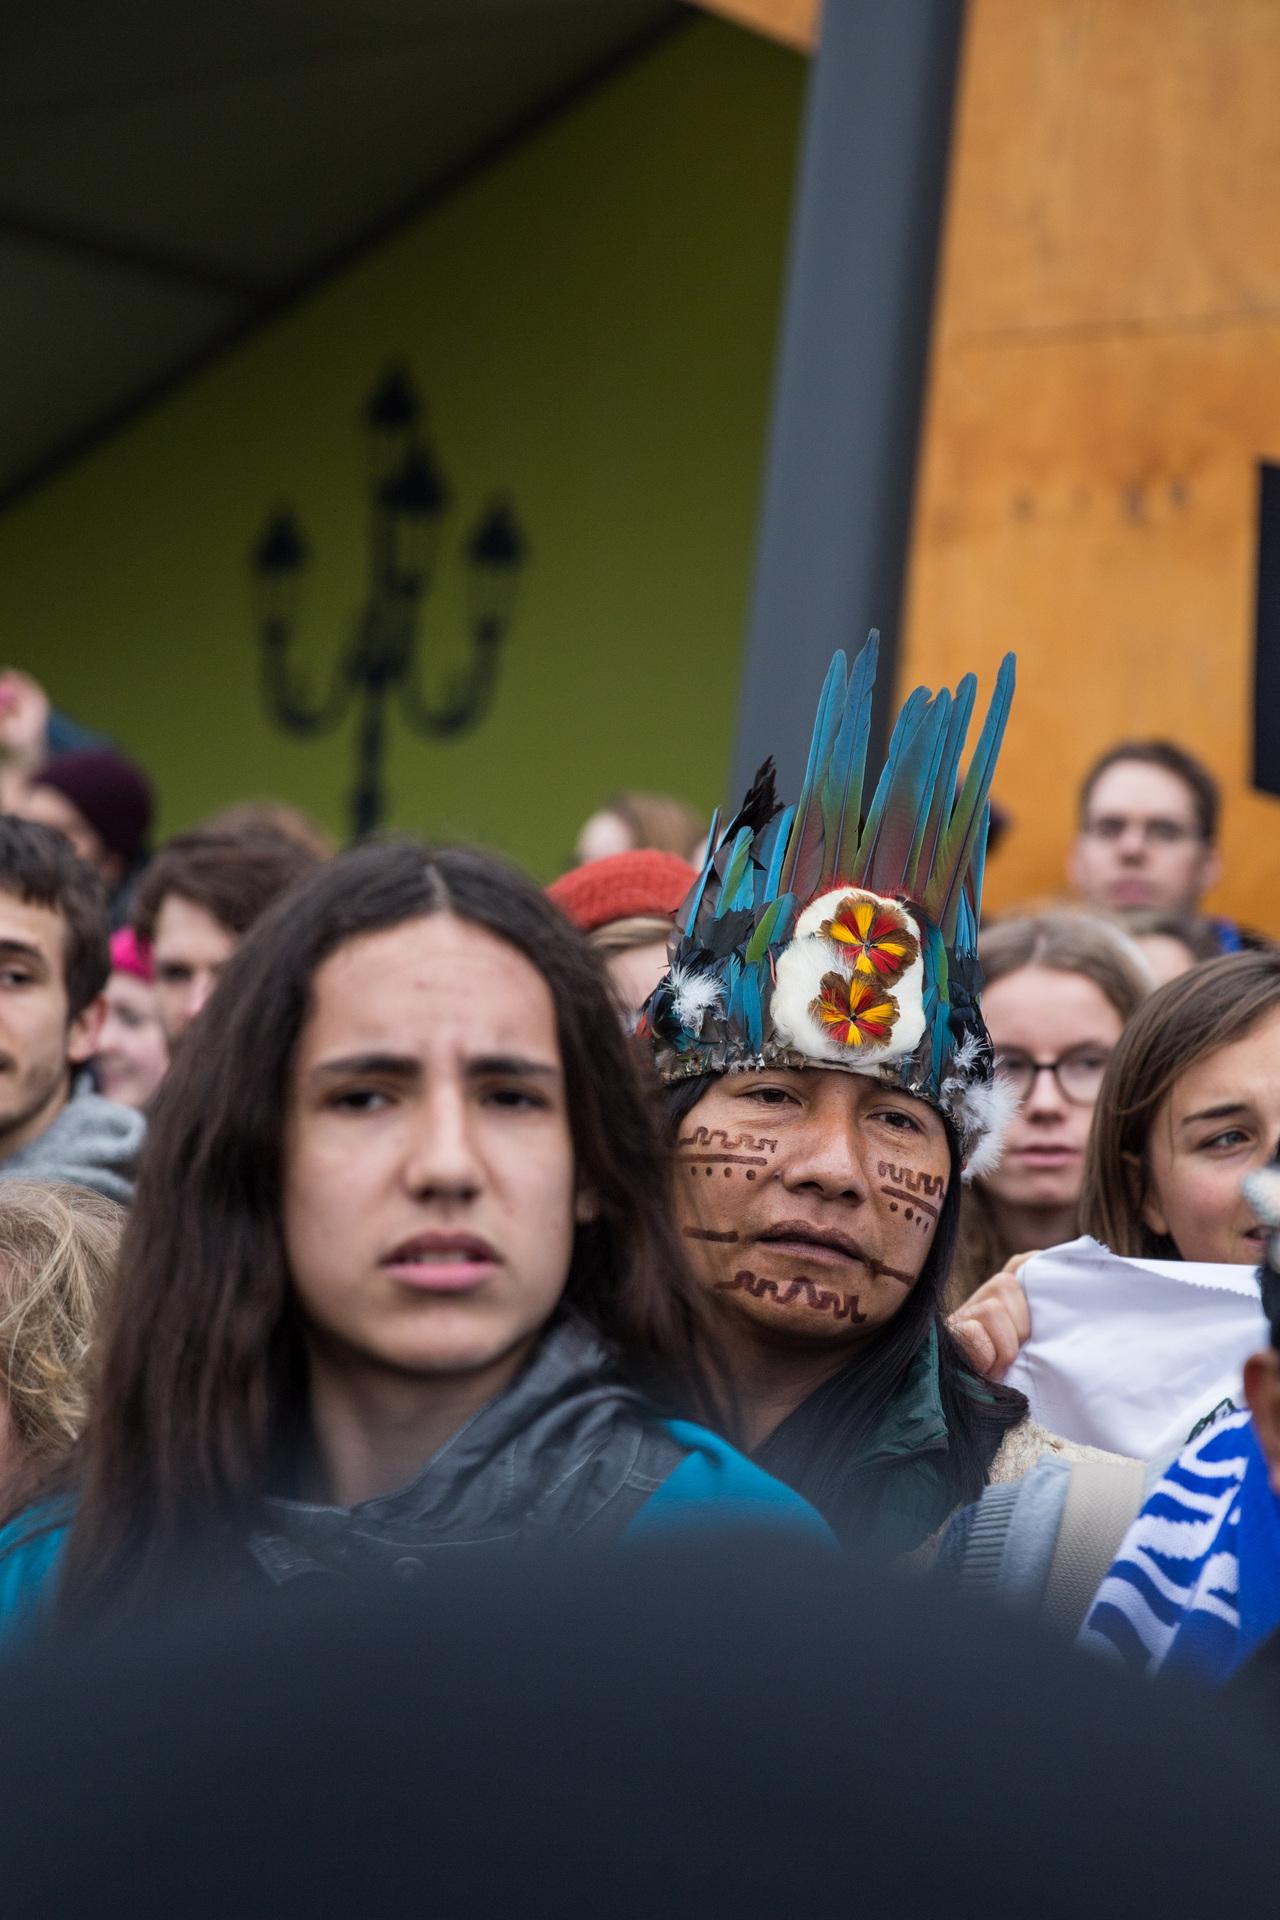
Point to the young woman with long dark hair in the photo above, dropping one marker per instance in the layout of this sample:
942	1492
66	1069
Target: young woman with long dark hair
399	1273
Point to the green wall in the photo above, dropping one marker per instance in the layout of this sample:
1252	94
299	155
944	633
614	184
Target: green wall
592	322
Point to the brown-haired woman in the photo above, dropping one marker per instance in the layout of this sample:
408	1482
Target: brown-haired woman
1189	1104
58	1249
1058	989
400	1269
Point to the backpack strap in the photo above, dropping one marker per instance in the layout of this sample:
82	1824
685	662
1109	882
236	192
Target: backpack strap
1103	1499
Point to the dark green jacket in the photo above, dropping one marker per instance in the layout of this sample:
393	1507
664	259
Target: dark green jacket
895	1488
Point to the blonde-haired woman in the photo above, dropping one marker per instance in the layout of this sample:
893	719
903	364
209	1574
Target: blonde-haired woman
58	1249
1058	990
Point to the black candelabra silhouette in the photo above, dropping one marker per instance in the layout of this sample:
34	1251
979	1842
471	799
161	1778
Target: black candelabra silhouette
408	501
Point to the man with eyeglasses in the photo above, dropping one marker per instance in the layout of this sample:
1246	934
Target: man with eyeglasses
1148	832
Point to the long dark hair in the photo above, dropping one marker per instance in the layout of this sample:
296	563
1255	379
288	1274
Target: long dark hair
203	1384
813	1447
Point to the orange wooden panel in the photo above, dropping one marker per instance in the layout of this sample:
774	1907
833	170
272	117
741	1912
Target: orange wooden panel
1091	504
793	22
1117	161
1105	377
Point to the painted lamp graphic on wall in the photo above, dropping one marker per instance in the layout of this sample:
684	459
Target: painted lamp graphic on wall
408	502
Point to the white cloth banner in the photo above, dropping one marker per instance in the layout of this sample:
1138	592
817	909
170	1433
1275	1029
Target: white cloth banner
1130	1354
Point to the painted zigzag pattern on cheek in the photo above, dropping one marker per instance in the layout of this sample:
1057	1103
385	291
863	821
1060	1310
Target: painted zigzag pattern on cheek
798	1292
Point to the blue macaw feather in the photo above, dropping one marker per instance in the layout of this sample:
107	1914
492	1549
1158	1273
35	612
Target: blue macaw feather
731	982
937	999
736	868
945	786
910	800
693	904
755	1013
884	802
957	845
746	1006
843	783
965	944
772	926
803	862
777	853
941	715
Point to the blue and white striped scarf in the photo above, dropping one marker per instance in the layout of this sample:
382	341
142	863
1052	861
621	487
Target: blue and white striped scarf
1195	1586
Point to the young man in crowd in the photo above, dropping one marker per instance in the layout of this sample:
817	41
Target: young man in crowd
198	899
54	961
1148	834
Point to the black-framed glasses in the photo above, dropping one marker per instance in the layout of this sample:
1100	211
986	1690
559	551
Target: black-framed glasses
1078	1072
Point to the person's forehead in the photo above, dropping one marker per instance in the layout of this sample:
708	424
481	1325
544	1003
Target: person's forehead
434	985
31	924
185	926
126	989
1135	787
1038	1000
1247	1070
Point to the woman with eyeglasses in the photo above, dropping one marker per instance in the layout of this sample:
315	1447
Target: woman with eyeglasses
1059	988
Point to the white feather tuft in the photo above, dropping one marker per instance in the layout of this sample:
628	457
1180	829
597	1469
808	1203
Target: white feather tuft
980	1111
965	1059
693	996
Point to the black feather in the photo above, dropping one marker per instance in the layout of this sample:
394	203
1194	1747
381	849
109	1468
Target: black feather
760	806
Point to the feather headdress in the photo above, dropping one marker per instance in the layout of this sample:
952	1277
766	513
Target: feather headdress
842	932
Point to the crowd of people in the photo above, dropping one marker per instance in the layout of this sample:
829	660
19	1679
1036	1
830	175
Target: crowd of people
357	1207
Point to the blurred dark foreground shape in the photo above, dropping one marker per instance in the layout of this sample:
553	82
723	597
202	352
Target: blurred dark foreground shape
692	1733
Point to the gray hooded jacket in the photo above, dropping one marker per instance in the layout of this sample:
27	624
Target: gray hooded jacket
567	1451
92	1143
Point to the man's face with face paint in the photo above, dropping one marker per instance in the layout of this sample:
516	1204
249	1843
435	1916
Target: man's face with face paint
809	1199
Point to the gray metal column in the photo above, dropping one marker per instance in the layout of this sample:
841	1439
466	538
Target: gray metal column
848	389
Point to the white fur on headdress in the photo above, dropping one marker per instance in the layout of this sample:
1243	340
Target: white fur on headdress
966	1058
693	996
980	1111
799	971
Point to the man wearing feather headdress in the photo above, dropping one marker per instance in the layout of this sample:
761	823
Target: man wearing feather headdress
829	1081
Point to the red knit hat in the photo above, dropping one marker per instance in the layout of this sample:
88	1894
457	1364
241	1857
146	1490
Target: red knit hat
622	886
